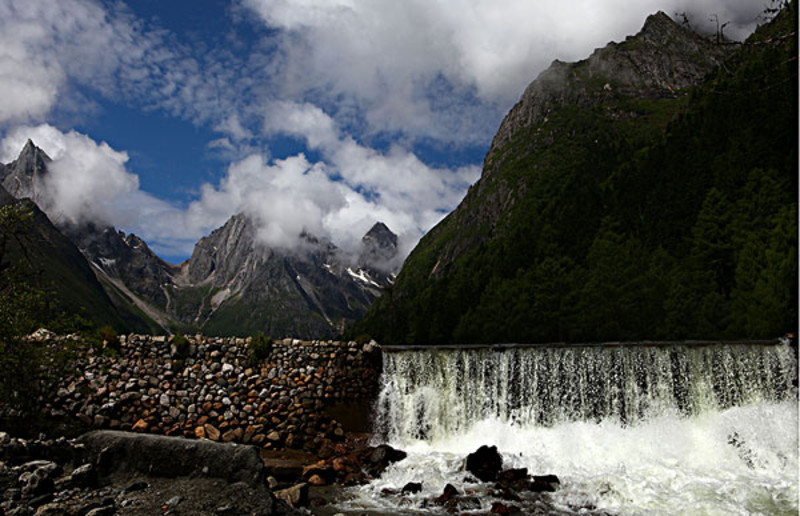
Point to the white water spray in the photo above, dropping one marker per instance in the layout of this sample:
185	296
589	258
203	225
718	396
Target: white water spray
680	429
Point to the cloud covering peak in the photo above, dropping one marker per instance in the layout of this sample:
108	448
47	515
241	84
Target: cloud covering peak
380	101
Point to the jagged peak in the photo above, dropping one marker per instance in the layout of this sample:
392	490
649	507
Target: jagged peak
30	153
22	177
658	21
662	59
381	233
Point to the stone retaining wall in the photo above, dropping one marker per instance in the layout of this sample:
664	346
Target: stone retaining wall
217	392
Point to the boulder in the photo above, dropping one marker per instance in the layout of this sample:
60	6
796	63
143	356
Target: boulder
382	456
412	487
449	492
295	496
84	476
170	457
544	484
485	463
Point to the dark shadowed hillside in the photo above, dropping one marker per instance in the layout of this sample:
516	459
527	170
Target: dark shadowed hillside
647	192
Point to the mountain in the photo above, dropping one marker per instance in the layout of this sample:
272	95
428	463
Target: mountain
232	284
34	254
24	177
132	274
379	252
647	192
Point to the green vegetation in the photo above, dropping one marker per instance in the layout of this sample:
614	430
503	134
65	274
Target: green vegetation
103	340
181	347
48	261
259	348
678	223
29	369
236	316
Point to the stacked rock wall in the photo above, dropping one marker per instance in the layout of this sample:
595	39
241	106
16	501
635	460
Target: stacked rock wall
217	390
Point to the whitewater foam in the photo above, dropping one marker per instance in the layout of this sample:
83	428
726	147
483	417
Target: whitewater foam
683	431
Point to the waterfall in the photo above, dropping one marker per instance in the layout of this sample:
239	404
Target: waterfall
691	428
435	393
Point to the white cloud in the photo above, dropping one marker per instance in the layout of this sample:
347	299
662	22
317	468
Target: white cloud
395	187
334	74
392	57
86	180
339	197
51	50
304	120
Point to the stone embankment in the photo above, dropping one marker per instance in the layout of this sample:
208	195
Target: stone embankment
214	389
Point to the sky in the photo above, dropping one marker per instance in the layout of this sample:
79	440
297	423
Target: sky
166	117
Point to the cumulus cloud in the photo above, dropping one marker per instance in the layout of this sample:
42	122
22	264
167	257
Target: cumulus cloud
393	186
51	53
338	197
331	73
86	180
410	63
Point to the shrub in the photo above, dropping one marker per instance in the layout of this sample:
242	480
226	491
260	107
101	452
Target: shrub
109	339
362	338
259	348
180	347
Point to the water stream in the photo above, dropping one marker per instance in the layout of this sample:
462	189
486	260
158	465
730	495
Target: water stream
648	429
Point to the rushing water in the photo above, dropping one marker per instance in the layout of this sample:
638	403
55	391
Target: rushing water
683	429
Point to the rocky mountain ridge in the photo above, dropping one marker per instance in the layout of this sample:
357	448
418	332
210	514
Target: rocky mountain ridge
231	285
24	177
619	201
661	61
36	257
632	81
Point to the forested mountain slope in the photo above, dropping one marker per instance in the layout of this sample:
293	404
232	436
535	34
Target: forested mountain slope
648	192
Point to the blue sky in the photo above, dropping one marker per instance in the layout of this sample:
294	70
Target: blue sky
167	117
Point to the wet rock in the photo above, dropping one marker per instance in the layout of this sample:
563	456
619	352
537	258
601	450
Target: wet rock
84	476
509	494
449	492
411	487
382	456
501	508
544	484
135	486
295	496
512	475
485	463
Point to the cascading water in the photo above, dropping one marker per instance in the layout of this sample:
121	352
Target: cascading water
655	429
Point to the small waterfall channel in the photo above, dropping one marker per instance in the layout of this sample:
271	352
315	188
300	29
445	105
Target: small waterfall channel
647	428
